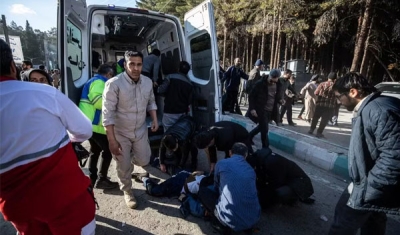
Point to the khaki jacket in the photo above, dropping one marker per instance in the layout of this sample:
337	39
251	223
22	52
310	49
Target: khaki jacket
125	104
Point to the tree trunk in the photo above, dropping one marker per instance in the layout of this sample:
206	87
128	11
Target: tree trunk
305	50
365	58
333	55
231	50
272	62
252	49
278	51
286	51
292	40
383	65
371	66
297	47
278	39
246	53
360	44
224	49
263	37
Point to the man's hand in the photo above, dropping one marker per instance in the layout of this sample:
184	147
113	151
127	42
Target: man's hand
163	168
154	126
254	113
115	149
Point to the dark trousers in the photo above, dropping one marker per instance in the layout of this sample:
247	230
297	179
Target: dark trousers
325	114
335	116
99	143
286	108
302	110
208	198
347	220
230	101
263	119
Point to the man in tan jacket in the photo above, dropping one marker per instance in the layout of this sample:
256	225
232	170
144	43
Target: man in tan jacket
126	99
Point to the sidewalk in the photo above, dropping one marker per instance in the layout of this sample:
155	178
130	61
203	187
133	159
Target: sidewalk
329	153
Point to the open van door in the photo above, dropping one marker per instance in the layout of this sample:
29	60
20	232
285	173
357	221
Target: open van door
73	47
202	53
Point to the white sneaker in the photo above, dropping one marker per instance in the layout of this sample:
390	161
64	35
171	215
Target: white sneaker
130	199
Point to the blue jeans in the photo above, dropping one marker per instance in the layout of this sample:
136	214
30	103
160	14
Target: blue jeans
347	220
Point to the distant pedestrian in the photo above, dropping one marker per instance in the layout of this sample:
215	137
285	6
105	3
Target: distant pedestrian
283	85
289	97
374	159
56	78
26	65
231	79
325	105
309	98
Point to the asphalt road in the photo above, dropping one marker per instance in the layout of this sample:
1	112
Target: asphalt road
161	215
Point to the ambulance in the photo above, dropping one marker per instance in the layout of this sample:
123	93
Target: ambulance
108	31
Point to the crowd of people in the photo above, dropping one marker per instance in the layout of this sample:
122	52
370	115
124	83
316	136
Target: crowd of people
40	163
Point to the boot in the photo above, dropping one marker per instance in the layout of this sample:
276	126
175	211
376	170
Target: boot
130	199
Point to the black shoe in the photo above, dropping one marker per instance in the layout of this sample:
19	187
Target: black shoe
310	132
105	183
292	124
319	135
218	227
138	176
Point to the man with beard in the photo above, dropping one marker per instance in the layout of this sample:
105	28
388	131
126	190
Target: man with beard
374	158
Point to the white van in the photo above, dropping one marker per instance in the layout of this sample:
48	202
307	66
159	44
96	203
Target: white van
111	30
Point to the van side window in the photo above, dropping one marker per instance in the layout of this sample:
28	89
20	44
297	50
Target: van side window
200	48
74	51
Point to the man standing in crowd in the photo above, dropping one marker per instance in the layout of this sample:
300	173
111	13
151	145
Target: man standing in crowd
326	103
221	136
289	97
254	75
283	84
178	92
176	145
56	78
42	190
232	78
126	99
374	158
232	200
26	65
151	66
262	102
91	104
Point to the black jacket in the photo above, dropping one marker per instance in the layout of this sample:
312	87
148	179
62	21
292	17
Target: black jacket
225	135
274	171
258	98
374	155
183	130
178	92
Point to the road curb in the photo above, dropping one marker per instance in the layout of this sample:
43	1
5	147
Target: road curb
331	158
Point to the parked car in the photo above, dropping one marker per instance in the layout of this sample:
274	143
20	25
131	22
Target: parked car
389	88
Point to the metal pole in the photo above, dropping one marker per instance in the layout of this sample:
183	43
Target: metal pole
3	21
